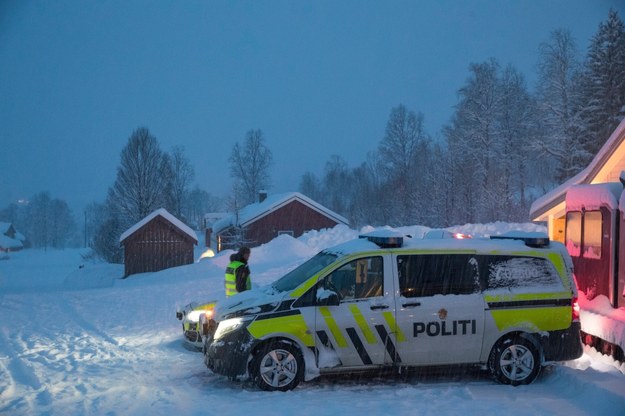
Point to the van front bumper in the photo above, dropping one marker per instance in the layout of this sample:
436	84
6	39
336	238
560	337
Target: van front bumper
229	355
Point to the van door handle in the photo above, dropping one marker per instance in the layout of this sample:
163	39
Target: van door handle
376	307
410	305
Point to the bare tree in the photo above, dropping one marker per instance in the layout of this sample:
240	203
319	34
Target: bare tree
179	181
310	186
199	202
50	222
140	185
336	184
249	165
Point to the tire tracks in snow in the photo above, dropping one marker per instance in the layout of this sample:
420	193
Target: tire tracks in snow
45	363
20	387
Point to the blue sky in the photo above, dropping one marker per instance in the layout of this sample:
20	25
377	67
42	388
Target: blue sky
318	77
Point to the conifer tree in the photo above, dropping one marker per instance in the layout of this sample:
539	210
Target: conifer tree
604	83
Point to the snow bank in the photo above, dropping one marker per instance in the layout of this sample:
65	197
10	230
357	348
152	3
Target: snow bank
599	318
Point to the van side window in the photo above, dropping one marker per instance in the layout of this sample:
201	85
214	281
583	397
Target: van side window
358	279
437	274
507	272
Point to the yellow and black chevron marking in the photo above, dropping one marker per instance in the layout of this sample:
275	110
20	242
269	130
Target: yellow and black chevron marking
360	348
341	341
334	328
362	324
390	347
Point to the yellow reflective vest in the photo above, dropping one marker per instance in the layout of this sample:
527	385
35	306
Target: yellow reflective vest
231	278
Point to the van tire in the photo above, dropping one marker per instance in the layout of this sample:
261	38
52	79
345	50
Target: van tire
515	361
277	365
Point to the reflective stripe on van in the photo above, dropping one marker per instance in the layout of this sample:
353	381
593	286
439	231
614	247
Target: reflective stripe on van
291	322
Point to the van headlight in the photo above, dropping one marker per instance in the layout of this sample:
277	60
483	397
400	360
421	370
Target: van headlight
229	325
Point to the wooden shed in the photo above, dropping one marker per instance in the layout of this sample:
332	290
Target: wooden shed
157	242
290	213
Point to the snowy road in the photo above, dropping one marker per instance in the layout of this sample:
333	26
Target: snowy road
67	356
76	342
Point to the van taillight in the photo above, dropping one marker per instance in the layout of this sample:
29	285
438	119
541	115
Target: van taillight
575	308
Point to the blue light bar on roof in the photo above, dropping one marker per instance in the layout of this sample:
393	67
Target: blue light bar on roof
537	240
384	238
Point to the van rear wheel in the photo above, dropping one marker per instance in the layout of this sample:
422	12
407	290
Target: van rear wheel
515	361
277	366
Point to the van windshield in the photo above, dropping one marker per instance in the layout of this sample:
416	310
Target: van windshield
300	274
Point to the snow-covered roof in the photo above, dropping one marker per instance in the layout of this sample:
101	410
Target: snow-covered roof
4	227
473	245
593	197
9	243
256	211
166	215
587	176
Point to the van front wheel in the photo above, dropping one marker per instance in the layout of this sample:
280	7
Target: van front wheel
515	361
277	366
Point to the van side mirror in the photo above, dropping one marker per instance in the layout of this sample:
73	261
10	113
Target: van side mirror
327	298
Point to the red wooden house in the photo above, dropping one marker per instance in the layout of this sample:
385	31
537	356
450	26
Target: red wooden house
157	242
290	213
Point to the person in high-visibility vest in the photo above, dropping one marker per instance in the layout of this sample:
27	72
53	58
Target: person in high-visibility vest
238	273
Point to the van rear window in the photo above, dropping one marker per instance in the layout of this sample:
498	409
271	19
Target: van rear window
508	272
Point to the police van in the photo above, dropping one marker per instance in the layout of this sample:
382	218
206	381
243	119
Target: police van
385	301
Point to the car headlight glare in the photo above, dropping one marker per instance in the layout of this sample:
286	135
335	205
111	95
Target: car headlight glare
229	325
194	316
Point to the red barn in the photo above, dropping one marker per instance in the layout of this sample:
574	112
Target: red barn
290	213
157	242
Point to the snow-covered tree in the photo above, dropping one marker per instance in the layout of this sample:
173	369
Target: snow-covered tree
604	83
249	165
515	130
558	97
440	189
473	141
402	152
487	145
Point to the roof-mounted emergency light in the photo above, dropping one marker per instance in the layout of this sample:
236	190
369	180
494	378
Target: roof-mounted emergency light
384	238
536	240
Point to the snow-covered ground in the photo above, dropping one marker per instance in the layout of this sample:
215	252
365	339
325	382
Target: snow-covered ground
75	339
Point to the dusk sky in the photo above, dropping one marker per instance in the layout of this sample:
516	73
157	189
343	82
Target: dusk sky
317	77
